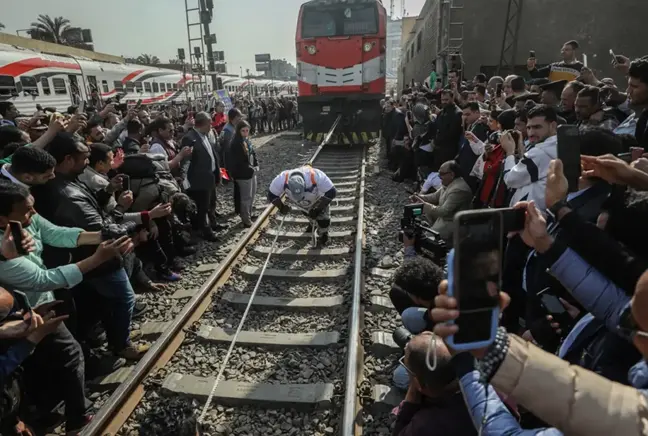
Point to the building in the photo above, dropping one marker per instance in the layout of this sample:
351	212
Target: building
394	33
475	29
281	70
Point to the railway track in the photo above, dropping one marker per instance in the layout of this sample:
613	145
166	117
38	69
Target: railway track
300	346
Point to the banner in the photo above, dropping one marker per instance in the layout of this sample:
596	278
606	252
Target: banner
223	96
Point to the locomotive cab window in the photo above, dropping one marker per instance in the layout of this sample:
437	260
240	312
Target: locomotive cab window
29	85
45	85
59	86
339	20
7	85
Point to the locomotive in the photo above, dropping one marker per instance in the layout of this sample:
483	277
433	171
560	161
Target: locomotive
341	70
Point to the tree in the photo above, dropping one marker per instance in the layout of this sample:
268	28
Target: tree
175	62
147	59
2	26
57	30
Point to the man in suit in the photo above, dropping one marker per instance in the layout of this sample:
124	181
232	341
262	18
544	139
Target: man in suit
202	168
454	196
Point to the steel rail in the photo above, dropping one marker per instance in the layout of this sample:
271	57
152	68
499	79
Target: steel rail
121	395
353	346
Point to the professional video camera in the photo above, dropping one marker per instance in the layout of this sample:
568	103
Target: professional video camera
426	241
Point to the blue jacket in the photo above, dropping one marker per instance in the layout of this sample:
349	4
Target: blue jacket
497	421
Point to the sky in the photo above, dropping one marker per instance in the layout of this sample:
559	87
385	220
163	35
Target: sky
158	27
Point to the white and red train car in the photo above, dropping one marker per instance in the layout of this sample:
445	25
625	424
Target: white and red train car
28	78
341	47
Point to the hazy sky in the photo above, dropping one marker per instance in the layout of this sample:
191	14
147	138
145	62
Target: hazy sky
158	27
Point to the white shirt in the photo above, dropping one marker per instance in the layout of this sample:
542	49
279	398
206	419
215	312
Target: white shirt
311	195
432	181
207	144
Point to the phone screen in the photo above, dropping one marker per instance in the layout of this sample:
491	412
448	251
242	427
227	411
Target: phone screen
513	219
569	154
552	304
81	107
16	232
477	272
498	90
126	186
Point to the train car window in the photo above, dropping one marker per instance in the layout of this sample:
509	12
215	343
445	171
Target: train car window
59	86
45	85
130	87
119	86
162	87
92	83
29	84
7	85
104	86
341	19
147	86
419	42
169	86
156	87
139	87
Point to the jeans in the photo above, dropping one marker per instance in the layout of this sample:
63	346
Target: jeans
247	191
413	320
116	288
57	369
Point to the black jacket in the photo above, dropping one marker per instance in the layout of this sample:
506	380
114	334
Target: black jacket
239	166
131	146
388	127
449	130
199	172
68	202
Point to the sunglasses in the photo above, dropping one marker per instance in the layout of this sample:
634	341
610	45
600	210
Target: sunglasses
628	325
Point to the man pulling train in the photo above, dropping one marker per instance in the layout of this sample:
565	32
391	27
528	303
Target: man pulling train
309	190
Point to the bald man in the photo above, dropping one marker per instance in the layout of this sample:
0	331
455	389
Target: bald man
445	413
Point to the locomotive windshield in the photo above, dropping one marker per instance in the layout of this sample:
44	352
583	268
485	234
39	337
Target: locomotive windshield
339	20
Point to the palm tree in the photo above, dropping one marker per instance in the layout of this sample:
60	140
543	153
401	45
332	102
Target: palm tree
57	30
2	26
147	59
175	61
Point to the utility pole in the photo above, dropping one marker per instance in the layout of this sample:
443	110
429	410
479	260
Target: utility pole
510	39
206	15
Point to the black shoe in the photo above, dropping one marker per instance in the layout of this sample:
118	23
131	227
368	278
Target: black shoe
401	336
208	235
186	251
253	218
140	309
309	228
322	240
218	227
96	337
101	365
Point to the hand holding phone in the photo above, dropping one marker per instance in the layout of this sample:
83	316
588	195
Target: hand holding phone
636	153
569	154
17	235
126	184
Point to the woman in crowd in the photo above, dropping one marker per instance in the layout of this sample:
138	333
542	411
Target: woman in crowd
243	167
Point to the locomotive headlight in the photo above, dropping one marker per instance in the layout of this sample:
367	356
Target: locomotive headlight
311	49
367	46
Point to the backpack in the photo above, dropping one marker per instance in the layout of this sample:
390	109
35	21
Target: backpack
145	170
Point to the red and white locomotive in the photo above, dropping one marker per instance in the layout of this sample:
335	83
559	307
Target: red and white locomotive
28	78
341	48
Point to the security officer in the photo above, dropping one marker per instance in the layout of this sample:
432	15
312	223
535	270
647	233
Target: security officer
309	190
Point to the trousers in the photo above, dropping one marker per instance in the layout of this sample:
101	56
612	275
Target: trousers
247	192
205	207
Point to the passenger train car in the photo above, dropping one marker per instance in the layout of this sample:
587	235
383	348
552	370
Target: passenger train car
259	87
28	78
341	47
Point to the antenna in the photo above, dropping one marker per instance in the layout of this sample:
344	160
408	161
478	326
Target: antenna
391	9
403	8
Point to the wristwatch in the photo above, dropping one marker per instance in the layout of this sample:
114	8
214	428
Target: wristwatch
553	210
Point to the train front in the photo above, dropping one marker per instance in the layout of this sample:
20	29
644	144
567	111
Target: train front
341	68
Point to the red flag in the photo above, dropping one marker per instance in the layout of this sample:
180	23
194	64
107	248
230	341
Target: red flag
224	174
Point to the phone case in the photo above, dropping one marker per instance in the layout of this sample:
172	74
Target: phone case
494	318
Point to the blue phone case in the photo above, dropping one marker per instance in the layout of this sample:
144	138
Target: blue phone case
494	318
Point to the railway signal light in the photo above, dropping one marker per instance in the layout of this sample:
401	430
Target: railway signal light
181	54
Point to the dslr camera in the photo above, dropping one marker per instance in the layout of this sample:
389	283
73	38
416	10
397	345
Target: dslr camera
427	242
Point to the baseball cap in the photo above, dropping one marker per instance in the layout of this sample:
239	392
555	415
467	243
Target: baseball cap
297	186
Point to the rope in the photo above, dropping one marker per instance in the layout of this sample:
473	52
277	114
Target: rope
240	327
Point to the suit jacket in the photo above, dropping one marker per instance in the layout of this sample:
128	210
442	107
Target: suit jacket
442	206
198	167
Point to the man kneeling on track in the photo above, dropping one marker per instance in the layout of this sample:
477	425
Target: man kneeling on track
311	191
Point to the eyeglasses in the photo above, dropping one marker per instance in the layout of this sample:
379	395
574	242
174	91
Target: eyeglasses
628	325
401	361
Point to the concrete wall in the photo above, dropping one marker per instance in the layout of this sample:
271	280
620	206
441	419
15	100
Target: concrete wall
598	25
422	61
56	49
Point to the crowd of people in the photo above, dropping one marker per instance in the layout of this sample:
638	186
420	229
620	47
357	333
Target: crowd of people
267	114
98	203
577	367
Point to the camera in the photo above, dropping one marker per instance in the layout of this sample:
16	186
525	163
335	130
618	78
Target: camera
427	242
116	231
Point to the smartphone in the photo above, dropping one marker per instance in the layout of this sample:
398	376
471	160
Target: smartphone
498	89
138	104
626	157
16	232
513	219
474	276
636	152
532	54
569	154
126	185
552	304
81	107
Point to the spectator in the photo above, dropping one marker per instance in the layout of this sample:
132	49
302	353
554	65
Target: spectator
445	413
203	173
388	124
133	141
162	132
29	166
528	176
638	99
441	207
234	117
568	69
568	101
243	168
220	119
589	110
8	113
449	131
551	93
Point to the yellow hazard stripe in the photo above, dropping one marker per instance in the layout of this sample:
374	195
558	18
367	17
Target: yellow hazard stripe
309	136
374	135
319	137
354	138
365	137
345	139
